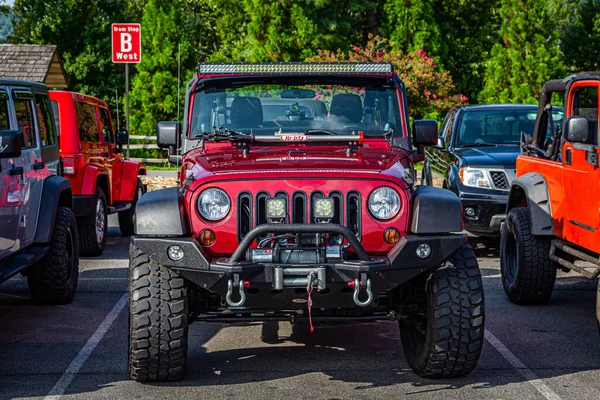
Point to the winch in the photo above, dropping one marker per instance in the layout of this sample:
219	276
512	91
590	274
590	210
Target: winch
296	255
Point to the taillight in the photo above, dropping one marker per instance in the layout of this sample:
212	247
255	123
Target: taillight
69	165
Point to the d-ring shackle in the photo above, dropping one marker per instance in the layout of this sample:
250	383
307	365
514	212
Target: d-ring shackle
230	293
357	291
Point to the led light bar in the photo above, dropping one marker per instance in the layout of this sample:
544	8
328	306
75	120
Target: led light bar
295	68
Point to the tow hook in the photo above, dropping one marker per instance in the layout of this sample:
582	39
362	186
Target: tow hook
242	300
357	284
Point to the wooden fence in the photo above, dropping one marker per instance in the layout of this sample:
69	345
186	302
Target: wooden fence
146	146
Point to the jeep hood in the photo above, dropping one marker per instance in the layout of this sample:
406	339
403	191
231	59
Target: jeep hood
321	160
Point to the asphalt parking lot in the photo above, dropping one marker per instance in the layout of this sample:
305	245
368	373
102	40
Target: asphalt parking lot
79	351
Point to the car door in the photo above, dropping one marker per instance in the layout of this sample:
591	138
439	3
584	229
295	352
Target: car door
89	134
45	162
580	175
10	183
112	159
31	180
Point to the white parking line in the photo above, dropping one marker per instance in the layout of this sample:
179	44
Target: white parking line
67	377
521	368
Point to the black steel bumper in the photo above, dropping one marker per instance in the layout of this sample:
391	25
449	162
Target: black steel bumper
490	212
84	206
385	272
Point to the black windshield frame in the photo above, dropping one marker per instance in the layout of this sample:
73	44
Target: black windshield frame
229	82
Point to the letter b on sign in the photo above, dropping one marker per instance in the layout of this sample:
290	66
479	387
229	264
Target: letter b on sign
126	42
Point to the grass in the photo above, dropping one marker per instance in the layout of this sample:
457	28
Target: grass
161	167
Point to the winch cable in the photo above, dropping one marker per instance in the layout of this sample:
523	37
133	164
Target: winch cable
309	290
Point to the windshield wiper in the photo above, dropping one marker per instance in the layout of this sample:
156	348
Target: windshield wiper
319	132
478	145
223	134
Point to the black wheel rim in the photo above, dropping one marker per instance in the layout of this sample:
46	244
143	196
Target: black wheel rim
511	254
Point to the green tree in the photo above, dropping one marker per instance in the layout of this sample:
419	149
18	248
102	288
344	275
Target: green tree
468	29
411	24
154	88
526	56
291	30
580	35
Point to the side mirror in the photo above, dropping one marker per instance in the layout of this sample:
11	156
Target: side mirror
10	144
577	129
425	132
167	135
122	137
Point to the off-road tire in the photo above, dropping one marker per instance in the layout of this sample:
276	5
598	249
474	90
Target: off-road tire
448	344
54	279
126	217
158	320
528	273
88	243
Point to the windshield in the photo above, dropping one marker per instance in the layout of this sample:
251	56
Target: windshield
501	126
297	105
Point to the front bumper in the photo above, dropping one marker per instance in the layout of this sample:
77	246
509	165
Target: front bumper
336	280
489	210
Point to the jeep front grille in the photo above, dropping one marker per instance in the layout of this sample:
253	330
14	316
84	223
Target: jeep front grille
251	212
499	180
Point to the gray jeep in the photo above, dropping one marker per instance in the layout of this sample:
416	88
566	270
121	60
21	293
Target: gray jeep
38	231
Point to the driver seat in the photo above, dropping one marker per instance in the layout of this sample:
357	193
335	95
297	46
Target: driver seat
347	106
470	132
246	112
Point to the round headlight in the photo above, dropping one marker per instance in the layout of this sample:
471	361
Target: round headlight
384	203
213	204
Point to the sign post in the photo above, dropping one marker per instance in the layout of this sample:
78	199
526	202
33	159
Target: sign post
126	49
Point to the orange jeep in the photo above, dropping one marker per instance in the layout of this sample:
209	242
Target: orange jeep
553	213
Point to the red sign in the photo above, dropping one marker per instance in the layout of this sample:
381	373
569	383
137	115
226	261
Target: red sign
126	43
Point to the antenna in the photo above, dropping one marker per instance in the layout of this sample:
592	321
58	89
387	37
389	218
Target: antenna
178	151
117	102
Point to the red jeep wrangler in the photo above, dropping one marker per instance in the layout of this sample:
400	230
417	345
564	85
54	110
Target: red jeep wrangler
553	210
103	182
298	203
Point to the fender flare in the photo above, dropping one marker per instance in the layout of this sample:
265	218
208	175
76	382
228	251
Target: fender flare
130	172
436	211
161	213
56	193
90	179
532	188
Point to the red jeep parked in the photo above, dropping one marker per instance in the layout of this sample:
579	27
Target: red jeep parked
103	182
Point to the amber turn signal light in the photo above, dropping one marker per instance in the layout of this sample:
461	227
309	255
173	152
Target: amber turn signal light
391	236
207	237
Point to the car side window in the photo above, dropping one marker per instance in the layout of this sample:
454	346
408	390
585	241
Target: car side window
107	129
46	123
585	104
55	110
24	111
87	122
4	121
448	133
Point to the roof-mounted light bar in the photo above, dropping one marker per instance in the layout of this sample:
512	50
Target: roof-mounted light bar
295	68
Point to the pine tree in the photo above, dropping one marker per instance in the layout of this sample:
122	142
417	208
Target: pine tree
527	55
411	25
580	36
154	88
